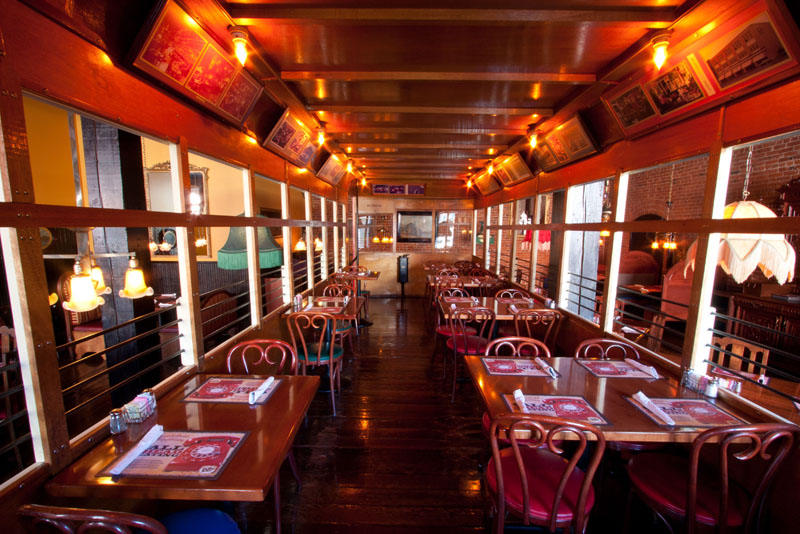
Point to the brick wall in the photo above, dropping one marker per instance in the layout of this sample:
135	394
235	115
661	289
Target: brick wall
774	163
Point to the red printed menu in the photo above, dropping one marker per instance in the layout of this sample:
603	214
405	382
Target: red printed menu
513	366
571	407
691	412
230	390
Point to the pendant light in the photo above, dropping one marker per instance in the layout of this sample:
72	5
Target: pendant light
741	254
82	295
135	286
239	38
99	280
300	246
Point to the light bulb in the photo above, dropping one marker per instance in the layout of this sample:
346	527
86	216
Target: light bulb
654	245
490	169
320	138
660	41
533	141
239	38
349	167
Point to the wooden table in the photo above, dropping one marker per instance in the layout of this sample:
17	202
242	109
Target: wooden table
502	308
607	395
248	476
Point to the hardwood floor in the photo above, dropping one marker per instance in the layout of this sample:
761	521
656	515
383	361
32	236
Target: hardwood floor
399	456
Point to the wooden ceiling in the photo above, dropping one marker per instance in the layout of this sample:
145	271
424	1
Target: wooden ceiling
422	90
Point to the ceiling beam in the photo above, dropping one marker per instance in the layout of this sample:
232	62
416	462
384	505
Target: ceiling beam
340	75
452	146
334	129
653	17
447	110
408	165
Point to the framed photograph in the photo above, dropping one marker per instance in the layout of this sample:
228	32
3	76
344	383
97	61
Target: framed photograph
515	169
414	226
674	89
745	52
380	189
188	60
397	189
486	184
631	107
565	144
332	171
502	175
291	139
415	189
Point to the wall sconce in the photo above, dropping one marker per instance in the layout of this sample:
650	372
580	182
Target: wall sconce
82	294
134	282
239	36
660	42
532	140
363	182
300	246
320	138
195	201
469	183
317	244
349	167
490	168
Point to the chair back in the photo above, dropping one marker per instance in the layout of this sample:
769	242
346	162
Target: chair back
338	278
338	290
517	347
355	269
80	520
304	327
266	356
770	442
480	318
512	293
606	349
739	355
541	324
544	432
448	272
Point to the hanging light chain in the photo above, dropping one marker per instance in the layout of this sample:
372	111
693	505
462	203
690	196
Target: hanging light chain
748	168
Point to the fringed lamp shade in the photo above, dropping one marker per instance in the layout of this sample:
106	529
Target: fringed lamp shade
741	254
233	254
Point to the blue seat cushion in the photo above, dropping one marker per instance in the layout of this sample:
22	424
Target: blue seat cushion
324	357
200	521
342	326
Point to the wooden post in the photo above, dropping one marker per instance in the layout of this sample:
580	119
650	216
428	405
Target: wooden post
27	288
324	259
537	215
335	229
561	285
309	243
619	196
486	236
190	325
253	257
499	240
699	318
513	260
287	273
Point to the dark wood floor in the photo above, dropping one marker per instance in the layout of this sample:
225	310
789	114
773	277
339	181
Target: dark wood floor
399	456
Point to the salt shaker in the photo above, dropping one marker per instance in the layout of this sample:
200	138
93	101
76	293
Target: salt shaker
116	421
712	388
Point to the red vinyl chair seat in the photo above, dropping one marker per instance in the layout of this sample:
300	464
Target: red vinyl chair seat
486	426
471	345
444	330
661	479
543	470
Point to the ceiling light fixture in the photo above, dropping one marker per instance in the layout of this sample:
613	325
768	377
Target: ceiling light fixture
239	36
533	140
320	138
660	42
349	167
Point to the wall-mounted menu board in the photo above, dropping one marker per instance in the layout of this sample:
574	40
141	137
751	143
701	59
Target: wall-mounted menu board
512	171
398	189
332	171
175	50
486	184
291	139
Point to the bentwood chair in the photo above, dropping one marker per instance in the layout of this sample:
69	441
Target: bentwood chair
606	349
511	347
312	337
470	329
343	328
536	480
267	357
81	520
440	283
355	269
512	293
541	324
442	329
739	355
705	488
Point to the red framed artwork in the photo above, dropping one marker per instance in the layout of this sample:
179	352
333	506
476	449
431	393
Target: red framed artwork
178	52
291	139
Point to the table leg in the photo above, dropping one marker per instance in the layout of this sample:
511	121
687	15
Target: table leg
276	492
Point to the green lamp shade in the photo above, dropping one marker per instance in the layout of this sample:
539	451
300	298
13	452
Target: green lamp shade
233	254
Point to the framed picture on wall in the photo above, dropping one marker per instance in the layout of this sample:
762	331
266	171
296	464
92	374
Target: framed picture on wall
332	171
565	144
674	89
176	51
414	226
486	184
291	139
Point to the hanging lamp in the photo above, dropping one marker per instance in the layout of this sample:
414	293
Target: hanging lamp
741	254
82	295
135	286
99	280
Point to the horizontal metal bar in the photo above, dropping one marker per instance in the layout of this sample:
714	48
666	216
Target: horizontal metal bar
12	391
118	385
222	288
9	367
650	336
225	313
226	326
13	417
757	326
106	350
110	329
772	350
748	379
16	443
582	277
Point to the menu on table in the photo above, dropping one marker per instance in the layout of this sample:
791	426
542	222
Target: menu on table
514	300
182	454
613	369
690	412
572	407
514	367
327	305
458	300
230	390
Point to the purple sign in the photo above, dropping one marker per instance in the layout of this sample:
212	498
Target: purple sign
397	189
380	189
415	189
